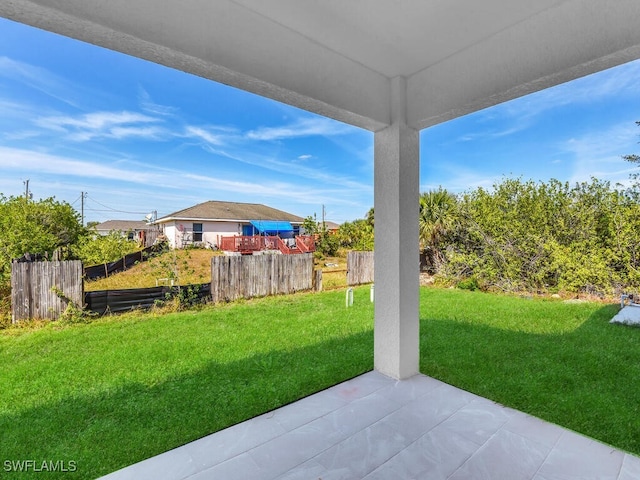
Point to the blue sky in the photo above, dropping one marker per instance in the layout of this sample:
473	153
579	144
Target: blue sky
139	137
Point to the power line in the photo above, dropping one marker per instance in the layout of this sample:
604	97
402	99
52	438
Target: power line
110	209
75	201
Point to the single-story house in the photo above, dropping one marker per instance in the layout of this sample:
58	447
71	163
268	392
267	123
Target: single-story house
331	227
137	230
206	223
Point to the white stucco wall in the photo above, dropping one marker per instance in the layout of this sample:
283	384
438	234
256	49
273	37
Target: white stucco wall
179	232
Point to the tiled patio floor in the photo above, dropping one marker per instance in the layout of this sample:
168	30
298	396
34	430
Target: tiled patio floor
373	427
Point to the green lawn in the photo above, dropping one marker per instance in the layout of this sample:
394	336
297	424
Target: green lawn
114	392
559	361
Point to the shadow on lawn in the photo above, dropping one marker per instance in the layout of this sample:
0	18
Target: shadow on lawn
585	379
102	434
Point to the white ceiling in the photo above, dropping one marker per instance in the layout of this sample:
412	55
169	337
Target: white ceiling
337	57
397	37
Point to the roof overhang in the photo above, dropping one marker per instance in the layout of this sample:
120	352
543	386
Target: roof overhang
339	59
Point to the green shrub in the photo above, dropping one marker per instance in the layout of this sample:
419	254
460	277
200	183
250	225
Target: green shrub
470	284
96	249
528	236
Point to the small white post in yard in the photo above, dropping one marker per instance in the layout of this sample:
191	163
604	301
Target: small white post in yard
349	297
371	294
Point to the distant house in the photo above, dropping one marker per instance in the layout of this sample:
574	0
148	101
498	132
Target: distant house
330	227
207	223
135	230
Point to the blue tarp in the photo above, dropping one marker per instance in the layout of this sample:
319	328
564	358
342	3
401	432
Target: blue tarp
272	227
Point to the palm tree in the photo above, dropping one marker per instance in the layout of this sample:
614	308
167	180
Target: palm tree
437	217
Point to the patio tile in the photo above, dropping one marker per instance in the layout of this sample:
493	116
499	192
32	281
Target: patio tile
579	457
421	415
294	448
478	420
488	463
361	386
360	414
241	467
630	468
309	470
308	409
405	391
176	463
376	428
535	429
433	456
362	453
232	441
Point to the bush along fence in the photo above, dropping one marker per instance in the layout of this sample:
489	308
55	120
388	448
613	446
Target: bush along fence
359	268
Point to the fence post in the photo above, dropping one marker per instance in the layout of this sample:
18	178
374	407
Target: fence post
317	280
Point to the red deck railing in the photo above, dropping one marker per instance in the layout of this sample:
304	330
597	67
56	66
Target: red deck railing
249	244
306	243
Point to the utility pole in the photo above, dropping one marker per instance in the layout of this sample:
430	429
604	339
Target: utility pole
26	189
82	194
324	226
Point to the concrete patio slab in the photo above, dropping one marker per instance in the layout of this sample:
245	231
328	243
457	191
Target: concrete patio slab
373	427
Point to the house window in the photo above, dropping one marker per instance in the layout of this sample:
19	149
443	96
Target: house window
197	232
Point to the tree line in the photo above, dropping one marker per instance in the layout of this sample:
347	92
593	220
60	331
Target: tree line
52	229
528	236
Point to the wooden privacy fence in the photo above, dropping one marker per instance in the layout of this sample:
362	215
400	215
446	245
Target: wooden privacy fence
234	277
359	268
44	289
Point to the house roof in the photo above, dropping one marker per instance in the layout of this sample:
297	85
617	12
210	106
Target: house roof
230	211
122	225
329	225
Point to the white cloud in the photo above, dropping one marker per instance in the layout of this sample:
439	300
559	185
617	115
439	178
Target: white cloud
31	161
211	135
149	106
303	171
41	79
599	153
304	127
22	162
91	125
304	157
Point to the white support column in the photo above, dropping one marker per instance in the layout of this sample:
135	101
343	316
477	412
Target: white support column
396	191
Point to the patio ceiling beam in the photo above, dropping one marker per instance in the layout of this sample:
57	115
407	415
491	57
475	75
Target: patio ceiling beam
225	42
574	39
